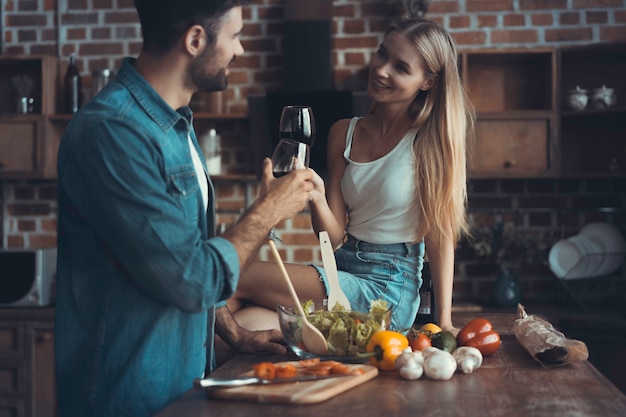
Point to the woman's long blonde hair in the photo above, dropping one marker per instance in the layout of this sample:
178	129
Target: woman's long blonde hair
445	121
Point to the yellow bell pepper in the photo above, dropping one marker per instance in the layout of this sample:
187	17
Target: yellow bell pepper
386	345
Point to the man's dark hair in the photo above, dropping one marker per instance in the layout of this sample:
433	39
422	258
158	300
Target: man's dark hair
163	22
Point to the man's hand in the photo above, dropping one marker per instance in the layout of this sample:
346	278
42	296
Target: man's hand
246	341
270	341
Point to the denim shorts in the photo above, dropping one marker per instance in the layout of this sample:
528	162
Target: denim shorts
392	272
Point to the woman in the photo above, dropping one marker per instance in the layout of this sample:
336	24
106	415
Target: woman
396	186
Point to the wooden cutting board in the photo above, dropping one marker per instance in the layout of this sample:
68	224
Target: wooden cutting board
301	392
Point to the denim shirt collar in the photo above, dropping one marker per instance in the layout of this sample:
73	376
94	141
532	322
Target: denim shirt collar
148	98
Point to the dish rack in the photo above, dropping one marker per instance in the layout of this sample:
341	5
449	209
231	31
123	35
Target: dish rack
579	287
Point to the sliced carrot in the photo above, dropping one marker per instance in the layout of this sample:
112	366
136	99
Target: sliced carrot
264	370
287	371
306	363
340	369
357	371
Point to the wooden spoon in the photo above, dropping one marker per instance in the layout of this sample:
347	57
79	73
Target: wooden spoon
313	339
335	294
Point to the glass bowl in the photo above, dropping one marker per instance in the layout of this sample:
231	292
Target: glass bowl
347	332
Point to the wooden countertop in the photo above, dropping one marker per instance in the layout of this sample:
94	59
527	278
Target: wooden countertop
510	383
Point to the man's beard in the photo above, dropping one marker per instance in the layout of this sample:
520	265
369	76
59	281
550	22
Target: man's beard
203	81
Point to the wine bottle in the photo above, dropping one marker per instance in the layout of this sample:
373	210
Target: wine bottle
73	87
426	311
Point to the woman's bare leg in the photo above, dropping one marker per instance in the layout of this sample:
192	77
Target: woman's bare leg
262	284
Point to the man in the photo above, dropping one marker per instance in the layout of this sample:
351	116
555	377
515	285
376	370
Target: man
141	276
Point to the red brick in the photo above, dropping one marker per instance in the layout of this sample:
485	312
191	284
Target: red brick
15	241
514	20
49	35
27	5
103	4
43	49
71	19
470	38
42	241
487	21
619	16
252	29
303	256
459	22
541	19
588	4
353	27
343	10
270	13
76	4
259	45
443	7
514	36
302	222
613	33
127	32
24	192
103	33
489	5
26	225
542	4
31	19
108	48
18	209
564	35
121	17
76	34
597	17
354	42
355	59
49	225
571	18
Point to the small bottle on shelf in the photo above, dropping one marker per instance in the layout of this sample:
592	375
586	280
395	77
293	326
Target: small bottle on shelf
73	88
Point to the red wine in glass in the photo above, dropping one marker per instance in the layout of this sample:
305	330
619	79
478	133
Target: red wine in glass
297	135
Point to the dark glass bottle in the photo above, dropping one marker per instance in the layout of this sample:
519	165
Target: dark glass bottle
426	312
73	87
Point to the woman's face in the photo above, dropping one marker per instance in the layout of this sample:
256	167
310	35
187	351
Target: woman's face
396	72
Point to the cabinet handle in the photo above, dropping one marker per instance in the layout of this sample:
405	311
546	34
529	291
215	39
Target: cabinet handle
509	163
44	337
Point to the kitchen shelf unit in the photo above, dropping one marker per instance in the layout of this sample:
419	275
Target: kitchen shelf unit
593	140
514	94
525	128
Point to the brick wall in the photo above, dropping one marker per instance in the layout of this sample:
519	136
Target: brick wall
104	31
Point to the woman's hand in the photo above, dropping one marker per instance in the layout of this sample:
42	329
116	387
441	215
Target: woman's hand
319	191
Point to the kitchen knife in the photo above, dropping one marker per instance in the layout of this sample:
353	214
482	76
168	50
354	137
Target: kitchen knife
212	382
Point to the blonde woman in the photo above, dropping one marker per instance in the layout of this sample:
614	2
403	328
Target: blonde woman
396	186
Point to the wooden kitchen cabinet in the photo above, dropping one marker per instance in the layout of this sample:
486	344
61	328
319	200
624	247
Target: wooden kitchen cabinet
514	94
27	385
593	140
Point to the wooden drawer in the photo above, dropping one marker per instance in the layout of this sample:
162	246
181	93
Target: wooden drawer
512	148
12	379
12	408
11	340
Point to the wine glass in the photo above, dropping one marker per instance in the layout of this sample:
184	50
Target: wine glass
297	135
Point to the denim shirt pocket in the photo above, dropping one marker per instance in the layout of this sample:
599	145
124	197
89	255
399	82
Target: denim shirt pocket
183	185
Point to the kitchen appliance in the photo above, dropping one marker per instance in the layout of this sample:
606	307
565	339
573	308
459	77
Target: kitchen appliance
27	277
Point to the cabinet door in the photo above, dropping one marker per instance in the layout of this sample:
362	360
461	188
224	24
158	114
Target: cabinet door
19	147
511	148
43	388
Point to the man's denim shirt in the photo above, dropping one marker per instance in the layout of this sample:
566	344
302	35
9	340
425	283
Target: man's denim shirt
139	272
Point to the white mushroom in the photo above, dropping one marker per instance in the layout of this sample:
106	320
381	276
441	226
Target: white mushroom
409	364
467	358
438	364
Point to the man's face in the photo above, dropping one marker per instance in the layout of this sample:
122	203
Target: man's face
210	69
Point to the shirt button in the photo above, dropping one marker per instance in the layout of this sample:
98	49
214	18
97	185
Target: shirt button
184	192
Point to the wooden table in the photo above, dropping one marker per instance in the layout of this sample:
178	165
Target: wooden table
510	383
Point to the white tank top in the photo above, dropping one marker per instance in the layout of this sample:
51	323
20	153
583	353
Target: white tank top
379	194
